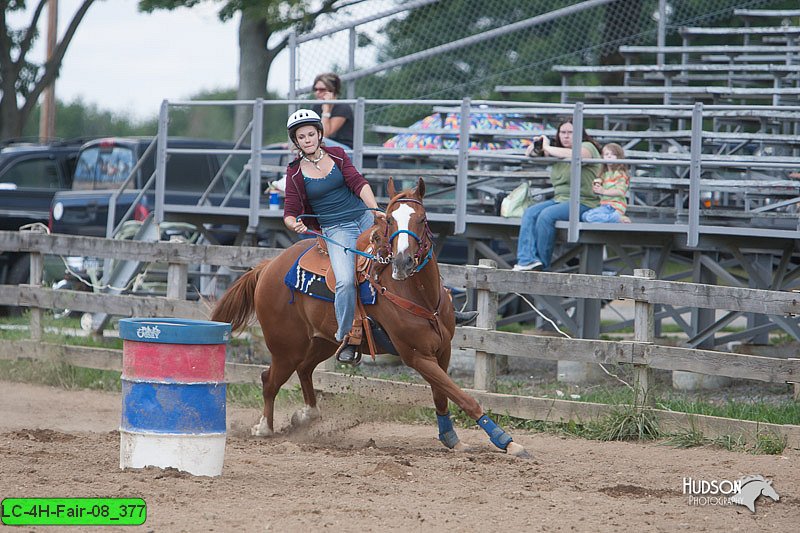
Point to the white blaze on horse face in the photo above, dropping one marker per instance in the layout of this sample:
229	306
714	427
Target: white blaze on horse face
402	215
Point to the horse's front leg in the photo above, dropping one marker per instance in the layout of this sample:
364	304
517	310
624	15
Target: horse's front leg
447	435
438	379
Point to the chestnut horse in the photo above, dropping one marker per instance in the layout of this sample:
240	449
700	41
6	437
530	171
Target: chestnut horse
412	306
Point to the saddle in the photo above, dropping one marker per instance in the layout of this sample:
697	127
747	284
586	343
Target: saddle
318	261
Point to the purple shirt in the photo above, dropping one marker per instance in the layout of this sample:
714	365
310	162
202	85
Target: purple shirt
296	202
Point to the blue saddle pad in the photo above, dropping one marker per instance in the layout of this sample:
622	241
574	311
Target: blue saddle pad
299	279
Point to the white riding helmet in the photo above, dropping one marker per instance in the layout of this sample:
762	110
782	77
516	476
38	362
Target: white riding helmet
302	117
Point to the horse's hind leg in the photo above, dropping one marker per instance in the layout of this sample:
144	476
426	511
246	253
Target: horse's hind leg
318	351
272	380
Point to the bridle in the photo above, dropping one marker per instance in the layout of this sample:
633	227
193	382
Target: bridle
424	243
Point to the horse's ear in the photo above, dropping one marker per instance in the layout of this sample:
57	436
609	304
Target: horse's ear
420	188
390	188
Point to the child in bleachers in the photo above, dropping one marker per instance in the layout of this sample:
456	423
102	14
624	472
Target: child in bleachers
612	188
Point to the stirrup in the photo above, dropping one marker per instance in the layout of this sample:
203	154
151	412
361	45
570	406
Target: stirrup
347	349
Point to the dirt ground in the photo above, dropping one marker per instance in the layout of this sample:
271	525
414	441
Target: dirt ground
355	471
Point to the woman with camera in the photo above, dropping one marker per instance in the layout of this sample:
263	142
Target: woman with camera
537	234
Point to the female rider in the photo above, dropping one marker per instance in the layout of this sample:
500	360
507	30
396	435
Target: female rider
323	182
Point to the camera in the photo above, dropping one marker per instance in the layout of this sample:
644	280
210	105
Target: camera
538	147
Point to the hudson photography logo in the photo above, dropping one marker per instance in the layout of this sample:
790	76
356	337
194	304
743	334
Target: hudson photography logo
744	491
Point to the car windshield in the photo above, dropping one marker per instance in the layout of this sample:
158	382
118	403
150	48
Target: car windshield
101	167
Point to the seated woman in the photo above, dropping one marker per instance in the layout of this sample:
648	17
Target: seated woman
537	233
337	119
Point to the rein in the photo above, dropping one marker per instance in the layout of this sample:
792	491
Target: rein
379	259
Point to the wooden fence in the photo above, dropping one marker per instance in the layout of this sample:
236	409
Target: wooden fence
488	343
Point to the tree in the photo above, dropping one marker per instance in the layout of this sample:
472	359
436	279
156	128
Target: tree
261	20
22	81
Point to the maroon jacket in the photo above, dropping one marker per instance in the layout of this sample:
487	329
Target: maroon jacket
296	202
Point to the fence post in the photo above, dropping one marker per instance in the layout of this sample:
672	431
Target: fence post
177	275
486	363
795	385
643	332
35	280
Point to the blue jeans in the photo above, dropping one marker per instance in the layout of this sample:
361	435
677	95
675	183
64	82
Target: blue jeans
537	233
604	213
344	268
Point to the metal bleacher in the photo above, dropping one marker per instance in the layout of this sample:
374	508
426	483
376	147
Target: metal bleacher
732	174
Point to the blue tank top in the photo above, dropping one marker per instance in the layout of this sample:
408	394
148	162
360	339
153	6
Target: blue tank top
332	200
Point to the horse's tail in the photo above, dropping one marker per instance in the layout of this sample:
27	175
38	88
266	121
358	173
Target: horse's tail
238	303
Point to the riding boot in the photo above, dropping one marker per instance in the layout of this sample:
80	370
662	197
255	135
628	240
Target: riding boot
348	352
464	318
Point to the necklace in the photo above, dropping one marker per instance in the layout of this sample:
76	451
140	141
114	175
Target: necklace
315	161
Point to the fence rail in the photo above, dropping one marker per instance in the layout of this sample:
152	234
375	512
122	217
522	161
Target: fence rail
488	343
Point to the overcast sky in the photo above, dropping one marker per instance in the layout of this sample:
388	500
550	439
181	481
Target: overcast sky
128	62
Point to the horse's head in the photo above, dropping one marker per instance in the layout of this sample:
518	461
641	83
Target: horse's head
768	491
409	238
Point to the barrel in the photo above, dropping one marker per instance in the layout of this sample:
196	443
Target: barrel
173	394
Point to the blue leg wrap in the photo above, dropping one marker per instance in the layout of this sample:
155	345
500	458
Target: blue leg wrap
446	432
496	434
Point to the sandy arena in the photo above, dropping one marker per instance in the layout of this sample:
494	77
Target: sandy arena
354	471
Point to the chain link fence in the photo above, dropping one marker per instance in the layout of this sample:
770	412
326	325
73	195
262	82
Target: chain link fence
524	57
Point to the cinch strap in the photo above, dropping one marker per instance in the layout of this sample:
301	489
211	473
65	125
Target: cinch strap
499	438
446	432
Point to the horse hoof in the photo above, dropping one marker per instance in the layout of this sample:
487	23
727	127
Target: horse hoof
517	451
261	429
461	447
304	416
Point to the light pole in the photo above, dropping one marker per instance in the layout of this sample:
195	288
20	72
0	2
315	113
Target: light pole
47	117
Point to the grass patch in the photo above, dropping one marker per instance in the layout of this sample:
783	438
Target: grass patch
60	375
250	395
769	443
627	423
787	412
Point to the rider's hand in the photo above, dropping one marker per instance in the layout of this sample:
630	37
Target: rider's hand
299	227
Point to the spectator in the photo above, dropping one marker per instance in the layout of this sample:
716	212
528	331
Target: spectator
537	234
337	119
612	187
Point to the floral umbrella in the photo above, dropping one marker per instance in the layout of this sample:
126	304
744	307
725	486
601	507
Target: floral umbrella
478	121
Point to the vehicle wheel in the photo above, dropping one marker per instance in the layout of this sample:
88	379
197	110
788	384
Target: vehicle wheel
20	272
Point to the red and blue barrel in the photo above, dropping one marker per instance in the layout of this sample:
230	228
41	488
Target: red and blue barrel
173	394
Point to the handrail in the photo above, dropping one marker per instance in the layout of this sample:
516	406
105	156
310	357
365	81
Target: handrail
695	161
111	230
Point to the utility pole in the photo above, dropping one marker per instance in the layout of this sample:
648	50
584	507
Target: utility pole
47	118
